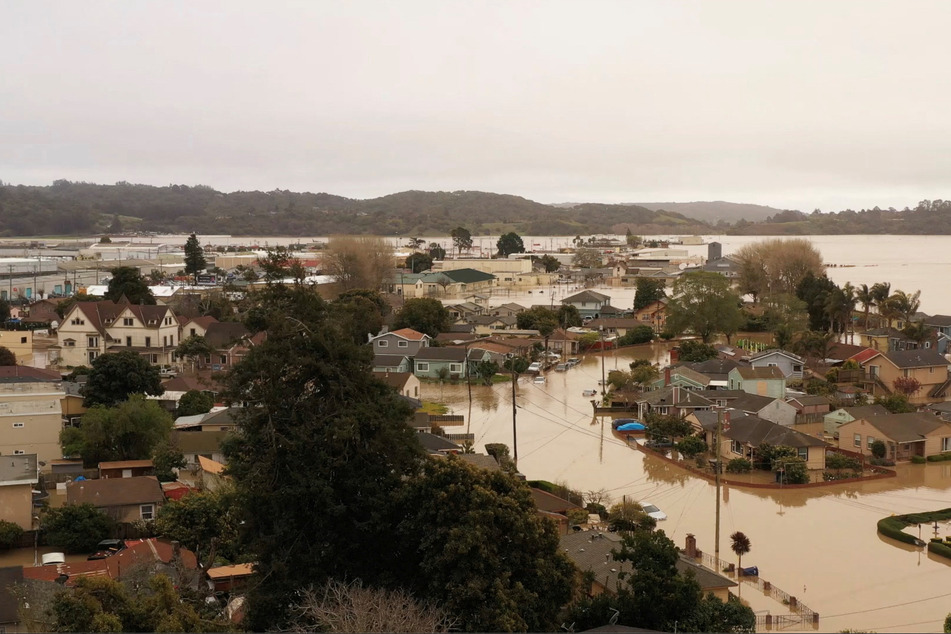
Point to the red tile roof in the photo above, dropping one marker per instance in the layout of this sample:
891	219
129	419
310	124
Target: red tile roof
408	333
864	356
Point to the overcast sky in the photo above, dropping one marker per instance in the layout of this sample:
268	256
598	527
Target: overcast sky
791	104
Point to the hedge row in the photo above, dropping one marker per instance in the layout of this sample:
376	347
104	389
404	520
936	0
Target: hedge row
892	527
940	457
939	547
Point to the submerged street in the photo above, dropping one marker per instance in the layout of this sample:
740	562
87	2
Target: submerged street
818	544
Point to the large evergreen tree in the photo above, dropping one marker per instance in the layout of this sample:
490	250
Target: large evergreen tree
194	256
127	282
320	448
117	375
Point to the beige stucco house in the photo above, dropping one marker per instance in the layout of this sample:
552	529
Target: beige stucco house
928	367
31	412
126	500
91	329
904	435
18	476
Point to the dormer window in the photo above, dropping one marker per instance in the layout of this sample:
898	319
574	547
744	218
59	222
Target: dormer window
127	321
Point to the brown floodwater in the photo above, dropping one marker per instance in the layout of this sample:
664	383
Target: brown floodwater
819	544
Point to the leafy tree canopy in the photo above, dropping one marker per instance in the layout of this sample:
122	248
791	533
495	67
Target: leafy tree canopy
75	528
695	351
195	402
127	282
419	262
510	243
116	376
647	291
705	304
423	314
128	431
7	357
206	523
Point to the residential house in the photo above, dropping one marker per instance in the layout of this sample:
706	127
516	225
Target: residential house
126	500
905	435
454	282
926	366
889	339
196	326
230	578
775	410
391	363
508	310
31	412
11	577
725	266
126	469
195	444
671	400
768	381
653	315
177	387
435	363
554	508
742	434
465	311
615	326
18	477
810	408
230	342
488	324
211	474
717	370
683	376
790	364
588	303
942	409
592	551
91	329
20	343
942	327
437	445
405	383
43	311
565	342
833	420
404	341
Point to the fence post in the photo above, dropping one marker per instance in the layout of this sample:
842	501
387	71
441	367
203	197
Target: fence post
769	621
815	620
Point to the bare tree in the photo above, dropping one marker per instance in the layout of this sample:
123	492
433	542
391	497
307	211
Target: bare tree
349	607
358	261
776	266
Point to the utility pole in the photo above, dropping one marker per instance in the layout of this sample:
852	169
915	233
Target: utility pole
514	428
716	543
601	331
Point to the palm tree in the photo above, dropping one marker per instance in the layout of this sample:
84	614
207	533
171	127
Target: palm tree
741	546
863	295
917	331
903	305
880	292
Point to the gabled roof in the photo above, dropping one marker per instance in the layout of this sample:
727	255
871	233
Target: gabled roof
920	358
485	320
940	321
776	351
545	501
750	373
865	355
436	444
115	491
459	276
714	367
221	334
396	380
27	374
751	402
755	431
586	296
389	360
865	411
203	322
904	428
512	307
189	442
809	399
842	351
405	333
441	354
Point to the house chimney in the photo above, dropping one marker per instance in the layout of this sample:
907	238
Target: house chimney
691	546
674	355
667	375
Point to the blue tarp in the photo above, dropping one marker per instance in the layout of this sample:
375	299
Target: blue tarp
631	427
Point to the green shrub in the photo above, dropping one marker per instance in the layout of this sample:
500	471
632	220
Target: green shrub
881	462
941	457
76	529
739	465
836	460
10	534
919	460
892	527
691	446
939	548
830	476
878	449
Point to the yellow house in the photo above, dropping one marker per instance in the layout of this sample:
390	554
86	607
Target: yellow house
19	342
742	434
904	435
925	366
31	414
18	476
126	500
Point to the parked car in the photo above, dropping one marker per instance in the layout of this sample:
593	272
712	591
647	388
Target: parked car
653	511
561	367
168	372
573	361
107	548
534	367
589	392
539	380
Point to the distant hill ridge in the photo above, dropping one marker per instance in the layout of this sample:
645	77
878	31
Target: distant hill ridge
717	210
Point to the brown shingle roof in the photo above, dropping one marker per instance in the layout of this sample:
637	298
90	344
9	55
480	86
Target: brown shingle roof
115	491
769	372
921	358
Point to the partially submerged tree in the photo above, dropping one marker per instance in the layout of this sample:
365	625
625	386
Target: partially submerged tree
740	545
116	376
129	431
359	261
704	304
423	314
127	282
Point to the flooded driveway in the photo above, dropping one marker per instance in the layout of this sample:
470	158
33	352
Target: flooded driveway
817	544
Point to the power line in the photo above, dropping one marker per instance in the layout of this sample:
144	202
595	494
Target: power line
888	607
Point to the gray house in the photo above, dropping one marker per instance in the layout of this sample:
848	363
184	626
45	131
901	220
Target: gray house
588	303
434	363
391	363
403	341
942	326
790	364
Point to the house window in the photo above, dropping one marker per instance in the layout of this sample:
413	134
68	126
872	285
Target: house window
22	339
93	342
946	444
803	453
78	322
147	511
931	370
69	343
927	344
127	321
402	344
92	355
736	447
382	344
422	366
223	359
20	426
207	358
128	341
18	452
869	440
148	342
193	332
455	367
857	440
797	368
